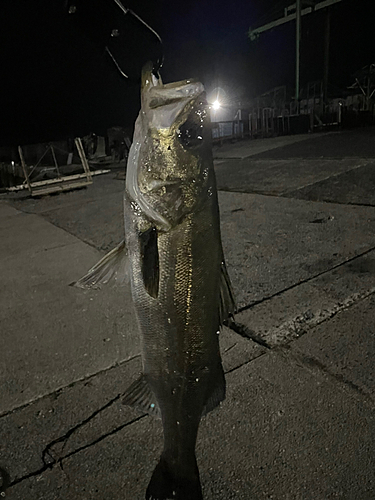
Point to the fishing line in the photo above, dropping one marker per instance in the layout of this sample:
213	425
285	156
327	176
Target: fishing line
84	9
159	62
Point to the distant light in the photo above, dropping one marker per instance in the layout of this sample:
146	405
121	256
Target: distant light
216	104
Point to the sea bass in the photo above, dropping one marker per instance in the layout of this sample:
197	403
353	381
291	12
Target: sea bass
180	287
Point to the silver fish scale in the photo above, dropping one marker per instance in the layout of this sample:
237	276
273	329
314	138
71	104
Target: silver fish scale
178	329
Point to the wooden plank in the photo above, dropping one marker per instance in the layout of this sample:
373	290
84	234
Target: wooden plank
59	188
58	180
82	155
55	161
24	168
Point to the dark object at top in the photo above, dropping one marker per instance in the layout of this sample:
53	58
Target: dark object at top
126	37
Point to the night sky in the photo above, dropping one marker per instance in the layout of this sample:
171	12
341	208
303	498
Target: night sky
58	81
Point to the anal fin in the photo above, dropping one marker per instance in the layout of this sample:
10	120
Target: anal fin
139	395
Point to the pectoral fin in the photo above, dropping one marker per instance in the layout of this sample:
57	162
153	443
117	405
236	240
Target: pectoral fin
227	304
113	265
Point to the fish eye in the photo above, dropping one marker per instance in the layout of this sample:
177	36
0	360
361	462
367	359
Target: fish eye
191	133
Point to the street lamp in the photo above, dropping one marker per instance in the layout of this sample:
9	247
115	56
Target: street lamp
216	105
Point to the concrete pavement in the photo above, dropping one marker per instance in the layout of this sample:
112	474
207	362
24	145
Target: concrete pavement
52	334
298	421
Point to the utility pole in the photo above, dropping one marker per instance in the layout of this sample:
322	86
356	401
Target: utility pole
298	41
295	11
326	55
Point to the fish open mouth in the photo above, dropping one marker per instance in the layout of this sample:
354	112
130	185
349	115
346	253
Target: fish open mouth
163	103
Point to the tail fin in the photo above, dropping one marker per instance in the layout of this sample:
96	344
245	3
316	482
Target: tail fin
165	484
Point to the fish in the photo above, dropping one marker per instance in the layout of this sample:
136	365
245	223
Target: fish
173	255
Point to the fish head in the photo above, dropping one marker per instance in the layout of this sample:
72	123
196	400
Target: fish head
170	166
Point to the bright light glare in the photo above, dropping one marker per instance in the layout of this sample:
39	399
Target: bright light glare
216	104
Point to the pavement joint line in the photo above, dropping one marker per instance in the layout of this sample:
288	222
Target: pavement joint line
307	362
315	366
78	202
71	384
293	329
245	363
357	204
307	280
330	202
247	333
315	158
254	191
332	176
50	461
45	218
87	242
299	326
56	246
287	195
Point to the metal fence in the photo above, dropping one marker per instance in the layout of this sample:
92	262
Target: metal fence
229	130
